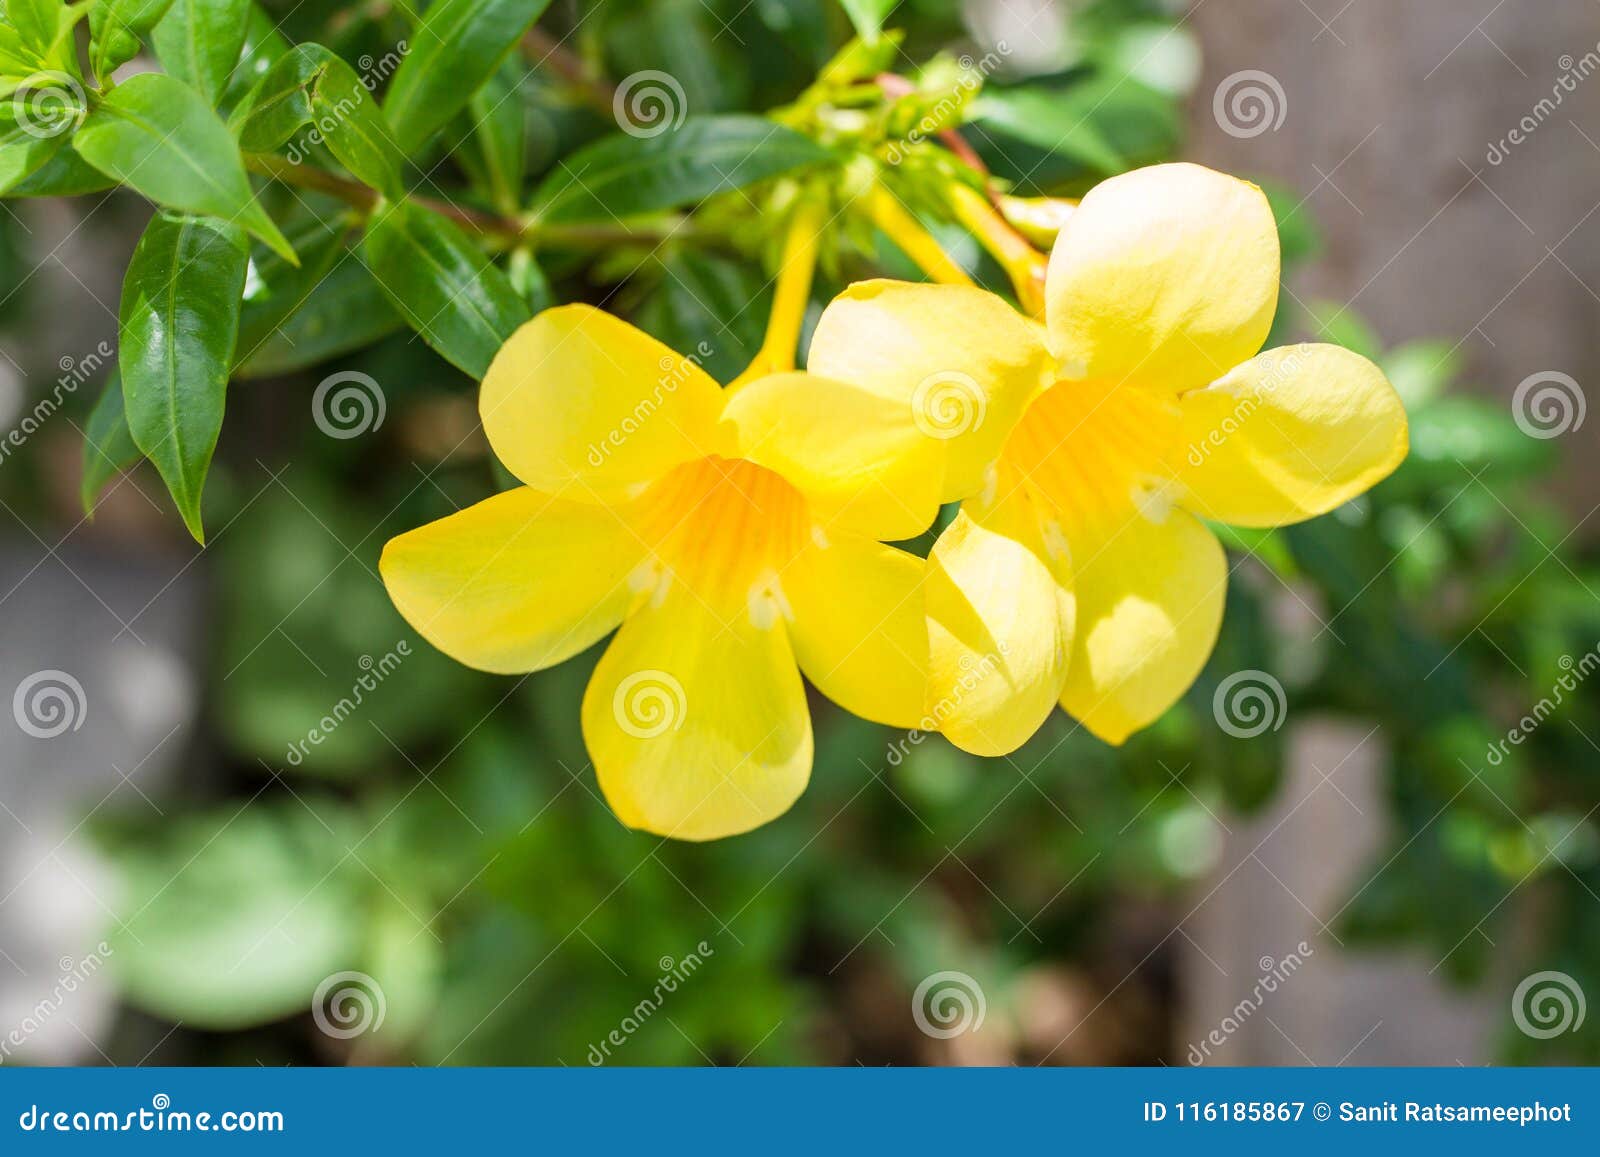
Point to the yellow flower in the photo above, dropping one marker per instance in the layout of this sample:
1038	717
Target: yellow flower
1080	571
731	535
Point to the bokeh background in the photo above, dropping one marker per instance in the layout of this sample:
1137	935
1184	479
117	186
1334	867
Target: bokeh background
1369	870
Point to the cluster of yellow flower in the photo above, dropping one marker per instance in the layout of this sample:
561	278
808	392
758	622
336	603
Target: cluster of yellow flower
737	534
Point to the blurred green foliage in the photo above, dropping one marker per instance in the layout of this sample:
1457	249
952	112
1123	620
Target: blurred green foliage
448	840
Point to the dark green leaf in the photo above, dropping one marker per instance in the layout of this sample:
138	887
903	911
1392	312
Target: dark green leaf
108	447
178	326
1051	120
156	134
624	176
277	289
115	29
264	46
493	150
345	311
444	287
65	174
24	147
311	85
198	41
457	47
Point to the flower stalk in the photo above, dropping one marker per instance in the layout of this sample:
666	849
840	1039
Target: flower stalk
1024	264
890	216
793	292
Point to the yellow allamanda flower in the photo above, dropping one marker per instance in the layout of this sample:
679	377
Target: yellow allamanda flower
726	535
1080	571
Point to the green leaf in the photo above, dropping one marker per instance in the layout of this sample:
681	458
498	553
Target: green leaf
115	29
198	42
624	176
311	85
108	447
40	37
24	150
275	289
1049	119
264	46
65	174
158	136
345	311
178	326
868	16
457	47
443	286
494	144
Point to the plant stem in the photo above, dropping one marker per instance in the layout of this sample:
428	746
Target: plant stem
918	244
1024	264
539	48
793	293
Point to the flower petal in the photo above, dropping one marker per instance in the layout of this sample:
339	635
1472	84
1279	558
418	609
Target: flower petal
859	627
1289	435
1150	597
696	720
515	583
858	457
962	360
1000	623
577	395
1167	275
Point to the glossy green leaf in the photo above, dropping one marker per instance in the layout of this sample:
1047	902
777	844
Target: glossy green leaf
274	289
264	46
24	149
116	28
65	174
344	311
108	446
178	326
624	176
157	135
494	141
198	42
443	285
1049	120
457	46
311	85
